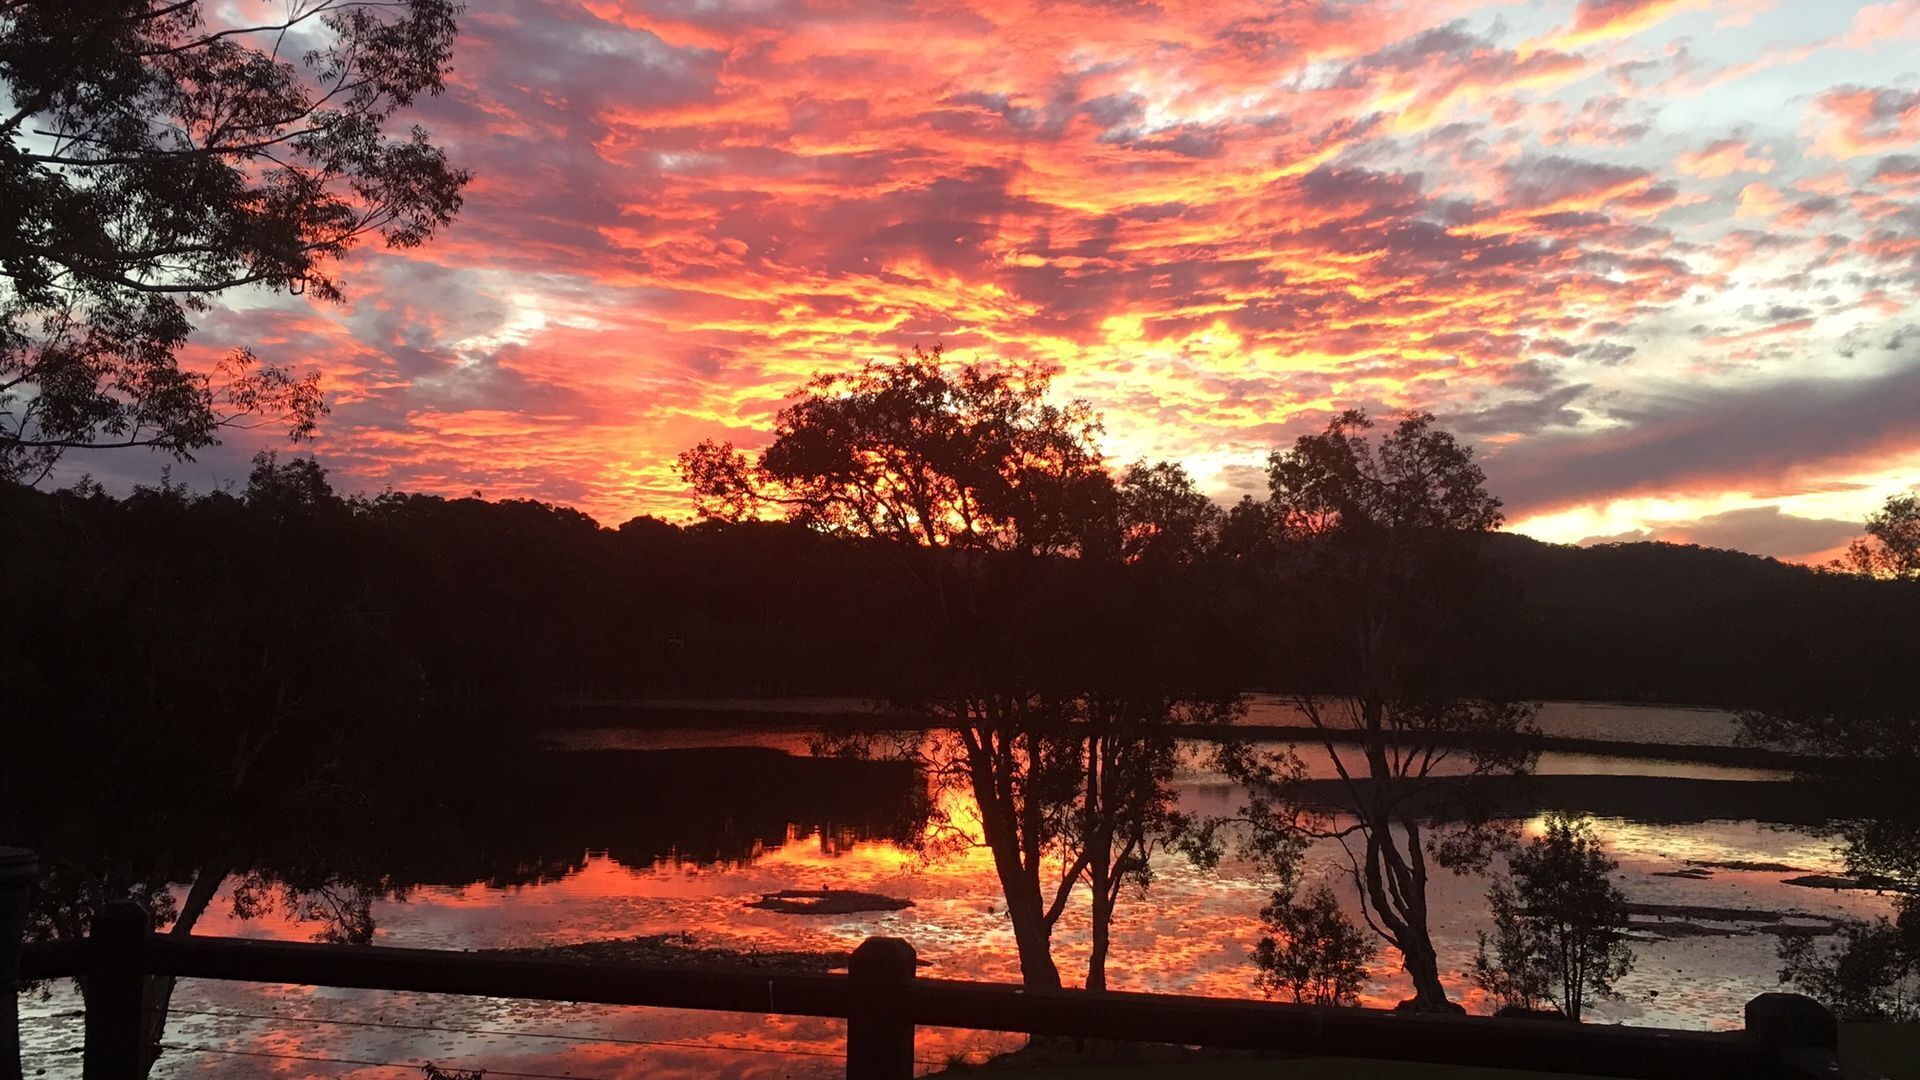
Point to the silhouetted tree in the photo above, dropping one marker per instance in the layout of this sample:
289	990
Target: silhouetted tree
959	462
1246	533
1311	949
1125	806
1560	922
1002	505
1164	518
1891	548
1380	544
1512	972
1861	702
156	155
922	452
1870	971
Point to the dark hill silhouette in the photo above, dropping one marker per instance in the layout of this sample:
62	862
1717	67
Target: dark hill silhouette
518	601
1682	624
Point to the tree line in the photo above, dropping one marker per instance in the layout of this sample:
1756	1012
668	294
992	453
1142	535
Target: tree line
949	539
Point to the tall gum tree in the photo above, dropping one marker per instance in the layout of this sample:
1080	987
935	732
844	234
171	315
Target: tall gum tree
1001	505
1377	547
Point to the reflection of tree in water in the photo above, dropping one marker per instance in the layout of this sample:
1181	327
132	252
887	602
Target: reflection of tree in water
1871	719
1383	539
516	817
1059	651
642	808
538	817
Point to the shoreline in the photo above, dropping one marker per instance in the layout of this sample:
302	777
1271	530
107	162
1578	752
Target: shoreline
729	713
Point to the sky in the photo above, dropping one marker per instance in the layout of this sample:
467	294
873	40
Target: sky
1659	260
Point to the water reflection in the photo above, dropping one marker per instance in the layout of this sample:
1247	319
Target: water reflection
599	844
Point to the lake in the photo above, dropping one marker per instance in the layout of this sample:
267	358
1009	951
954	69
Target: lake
1687	835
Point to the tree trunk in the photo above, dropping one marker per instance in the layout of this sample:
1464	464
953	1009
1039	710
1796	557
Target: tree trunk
1019	882
159	995
1099	853
1102	939
1031	936
1422	965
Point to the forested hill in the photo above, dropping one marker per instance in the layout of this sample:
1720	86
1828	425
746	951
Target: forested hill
174	601
1690	625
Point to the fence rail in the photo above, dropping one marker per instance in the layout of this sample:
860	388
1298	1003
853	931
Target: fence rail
1786	1037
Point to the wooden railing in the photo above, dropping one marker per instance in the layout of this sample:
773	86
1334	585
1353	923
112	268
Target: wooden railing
1786	1037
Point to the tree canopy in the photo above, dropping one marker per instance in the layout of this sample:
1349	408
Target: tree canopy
1560	922
156	155
1379	542
1891	546
925	452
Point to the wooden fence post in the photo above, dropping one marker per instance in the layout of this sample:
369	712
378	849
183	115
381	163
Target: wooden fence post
116	988
18	870
879	1028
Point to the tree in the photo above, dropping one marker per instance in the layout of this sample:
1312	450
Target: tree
1513	973
1164	518
950	466
156	156
1870	973
1311	949
1050	672
1562	923
1891	548
1380	544
1860	702
1870	719
919	451
1245	531
1126	807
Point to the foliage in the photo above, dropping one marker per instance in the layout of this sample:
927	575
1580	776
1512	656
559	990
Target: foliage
921	451
1891	548
1871	972
1514	973
1866	711
1417	479
155	156
1560	925
1164	518
1312	950
1053	680
1379	543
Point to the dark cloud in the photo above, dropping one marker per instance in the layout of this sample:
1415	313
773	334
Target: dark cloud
1897	168
1607	352
1693	439
1762	530
1545	181
1523	416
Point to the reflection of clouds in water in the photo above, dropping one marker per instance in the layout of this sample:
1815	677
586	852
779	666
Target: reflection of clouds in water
1191	934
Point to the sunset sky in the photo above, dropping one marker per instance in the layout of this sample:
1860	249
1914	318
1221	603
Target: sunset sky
1658	259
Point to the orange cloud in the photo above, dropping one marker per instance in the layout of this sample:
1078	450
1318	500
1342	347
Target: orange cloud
1722	158
1218	222
1759	200
1599	20
1865	120
1878	25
